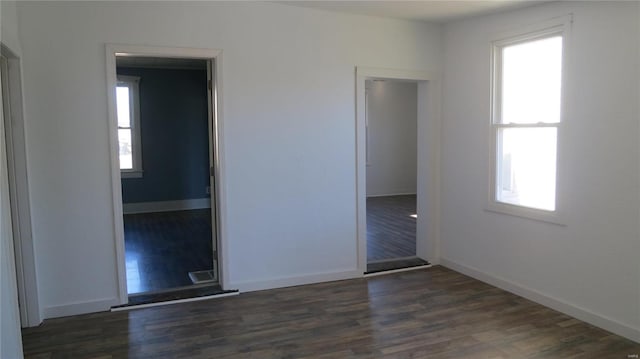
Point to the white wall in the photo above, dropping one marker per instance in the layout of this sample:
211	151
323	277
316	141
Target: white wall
289	133
589	267
10	335
392	116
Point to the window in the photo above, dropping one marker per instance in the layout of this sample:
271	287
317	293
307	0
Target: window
526	118
127	101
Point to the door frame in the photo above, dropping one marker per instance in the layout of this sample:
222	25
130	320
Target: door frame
218	203
27	284
428	160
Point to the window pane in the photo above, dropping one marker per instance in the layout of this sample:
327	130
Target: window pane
531	78
126	156
526	170
122	101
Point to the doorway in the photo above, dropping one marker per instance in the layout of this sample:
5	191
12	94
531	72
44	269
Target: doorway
397	166
391	150
164	131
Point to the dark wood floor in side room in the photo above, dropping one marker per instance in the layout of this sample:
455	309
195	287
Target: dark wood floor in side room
391	231
432	313
162	248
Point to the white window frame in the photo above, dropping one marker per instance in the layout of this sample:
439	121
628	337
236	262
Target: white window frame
554	27
133	82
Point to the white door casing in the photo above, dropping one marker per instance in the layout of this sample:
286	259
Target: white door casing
28	297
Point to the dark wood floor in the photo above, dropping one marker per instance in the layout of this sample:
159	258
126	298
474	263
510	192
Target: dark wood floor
162	248
391	231
431	313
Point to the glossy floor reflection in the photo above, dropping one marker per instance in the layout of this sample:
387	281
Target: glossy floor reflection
391	227
162	248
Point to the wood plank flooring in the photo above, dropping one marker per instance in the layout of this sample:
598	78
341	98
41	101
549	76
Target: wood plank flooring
391	231
432	313
162	248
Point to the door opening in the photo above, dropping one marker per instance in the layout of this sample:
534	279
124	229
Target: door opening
165	152
397	168
391	116
163	135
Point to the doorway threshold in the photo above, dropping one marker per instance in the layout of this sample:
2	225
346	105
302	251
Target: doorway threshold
397	264
183	294
127	307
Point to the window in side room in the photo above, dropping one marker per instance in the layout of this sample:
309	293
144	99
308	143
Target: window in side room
127	99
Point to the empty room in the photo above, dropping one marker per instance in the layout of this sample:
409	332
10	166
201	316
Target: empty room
214	179
163	150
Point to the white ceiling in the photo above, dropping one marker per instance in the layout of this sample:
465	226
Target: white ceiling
425	10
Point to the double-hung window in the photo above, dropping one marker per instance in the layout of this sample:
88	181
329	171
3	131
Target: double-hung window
128	111
526	118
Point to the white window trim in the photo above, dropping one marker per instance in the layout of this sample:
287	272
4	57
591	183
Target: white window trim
134	107
557	26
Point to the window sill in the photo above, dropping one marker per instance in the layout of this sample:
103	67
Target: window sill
130	174
526	212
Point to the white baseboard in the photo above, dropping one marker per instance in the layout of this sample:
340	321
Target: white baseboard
282	282
392	194
553	303
166	206
66	310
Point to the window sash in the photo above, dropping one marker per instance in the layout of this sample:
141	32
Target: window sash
497	75
499	165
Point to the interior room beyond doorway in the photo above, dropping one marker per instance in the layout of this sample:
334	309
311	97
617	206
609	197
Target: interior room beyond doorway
164	152
391	166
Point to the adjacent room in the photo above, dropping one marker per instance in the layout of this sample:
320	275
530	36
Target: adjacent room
163	149
269	152
391	171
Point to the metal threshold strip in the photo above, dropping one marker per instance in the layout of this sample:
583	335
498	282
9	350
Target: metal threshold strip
395	265
125	307
391	271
